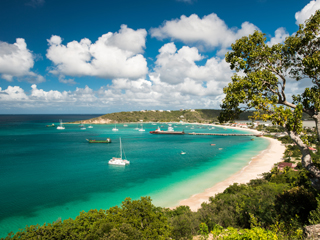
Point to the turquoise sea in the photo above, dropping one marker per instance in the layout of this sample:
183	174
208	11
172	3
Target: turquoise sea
47	174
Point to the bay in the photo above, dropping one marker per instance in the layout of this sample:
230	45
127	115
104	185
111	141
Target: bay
48	174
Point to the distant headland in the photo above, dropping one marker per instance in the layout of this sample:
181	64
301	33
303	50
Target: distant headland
190	116
184	115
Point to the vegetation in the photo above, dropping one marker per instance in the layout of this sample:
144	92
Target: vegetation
260	83
199	116
135	219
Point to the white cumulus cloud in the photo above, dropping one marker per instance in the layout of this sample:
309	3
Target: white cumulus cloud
174	66
280	36
16	60
113	55
307	11
209	31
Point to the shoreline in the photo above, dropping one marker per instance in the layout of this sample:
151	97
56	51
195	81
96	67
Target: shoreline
259	164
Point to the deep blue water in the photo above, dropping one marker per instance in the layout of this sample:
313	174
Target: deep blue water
46	174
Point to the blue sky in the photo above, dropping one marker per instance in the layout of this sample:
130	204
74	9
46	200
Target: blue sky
106	56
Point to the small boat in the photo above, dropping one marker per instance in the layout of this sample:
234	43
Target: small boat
90	126
115	128
141	129
220	148
137	128
182	153
83	128
52	125
170	129
61	127
108	140
252	139
125	125
212	144
119	161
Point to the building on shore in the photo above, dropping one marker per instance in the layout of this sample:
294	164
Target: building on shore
282	165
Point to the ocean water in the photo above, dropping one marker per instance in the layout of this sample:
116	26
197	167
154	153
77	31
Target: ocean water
47	174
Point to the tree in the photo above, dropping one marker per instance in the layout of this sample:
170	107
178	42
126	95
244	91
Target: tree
262	72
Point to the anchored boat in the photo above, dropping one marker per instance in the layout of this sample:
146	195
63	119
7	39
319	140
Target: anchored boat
108	140
119	161
61	127
170	131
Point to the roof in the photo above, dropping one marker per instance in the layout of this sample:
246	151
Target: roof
285	164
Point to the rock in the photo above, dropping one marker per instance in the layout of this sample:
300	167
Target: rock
312	232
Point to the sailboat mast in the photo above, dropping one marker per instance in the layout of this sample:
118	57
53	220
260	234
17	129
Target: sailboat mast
120	149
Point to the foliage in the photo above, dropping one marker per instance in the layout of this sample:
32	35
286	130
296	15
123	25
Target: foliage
234	206
135	219
292	151
274	129
203	231
183	221
285	140
280	201
256	232
262	72
314	216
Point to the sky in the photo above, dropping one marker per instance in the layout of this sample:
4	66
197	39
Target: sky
103	56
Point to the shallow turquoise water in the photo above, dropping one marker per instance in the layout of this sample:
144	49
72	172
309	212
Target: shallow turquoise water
47	174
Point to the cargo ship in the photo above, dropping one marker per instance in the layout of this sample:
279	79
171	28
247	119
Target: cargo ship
108	140
170	131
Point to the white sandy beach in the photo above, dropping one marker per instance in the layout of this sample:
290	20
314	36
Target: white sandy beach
259	164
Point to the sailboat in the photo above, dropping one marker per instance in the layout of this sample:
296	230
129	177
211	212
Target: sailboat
115	128
61	127
119	161
141	129
82	127
137	128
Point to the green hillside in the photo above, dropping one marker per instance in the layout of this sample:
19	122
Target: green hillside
199	116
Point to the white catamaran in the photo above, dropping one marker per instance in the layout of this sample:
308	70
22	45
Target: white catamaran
61	127
115	128
119	161
141	129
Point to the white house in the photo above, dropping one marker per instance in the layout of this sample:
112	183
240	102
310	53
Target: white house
160	110
168	111
142	111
